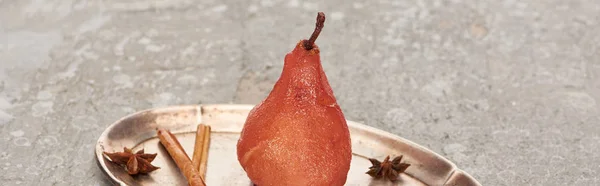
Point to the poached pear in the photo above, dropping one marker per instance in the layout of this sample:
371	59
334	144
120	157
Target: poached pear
298	134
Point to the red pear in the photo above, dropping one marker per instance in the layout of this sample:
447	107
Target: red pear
297	135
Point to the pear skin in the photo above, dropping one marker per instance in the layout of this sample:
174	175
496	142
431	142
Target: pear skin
297	135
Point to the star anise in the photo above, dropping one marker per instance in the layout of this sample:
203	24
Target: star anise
387	169
134	163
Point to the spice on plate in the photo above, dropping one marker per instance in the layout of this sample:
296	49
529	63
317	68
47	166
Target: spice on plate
169	141
200	156
135	163
387	169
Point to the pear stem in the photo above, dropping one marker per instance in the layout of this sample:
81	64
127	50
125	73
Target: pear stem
308	45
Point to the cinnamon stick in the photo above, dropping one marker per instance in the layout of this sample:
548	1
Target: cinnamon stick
200	157
181	158
205	147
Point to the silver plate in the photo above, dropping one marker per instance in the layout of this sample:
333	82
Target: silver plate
138	130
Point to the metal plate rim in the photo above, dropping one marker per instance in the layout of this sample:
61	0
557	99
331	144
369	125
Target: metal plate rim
99	146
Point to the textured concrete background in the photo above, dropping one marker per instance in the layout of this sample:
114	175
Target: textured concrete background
506	89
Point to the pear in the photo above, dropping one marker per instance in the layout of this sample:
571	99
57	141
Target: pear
298	134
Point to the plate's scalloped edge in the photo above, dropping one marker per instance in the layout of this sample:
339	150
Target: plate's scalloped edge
404	140
455	174
102	168
461	174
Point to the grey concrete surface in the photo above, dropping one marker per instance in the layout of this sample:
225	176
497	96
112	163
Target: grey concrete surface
506	89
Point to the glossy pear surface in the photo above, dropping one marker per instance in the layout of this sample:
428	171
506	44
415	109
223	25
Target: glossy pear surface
297	135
